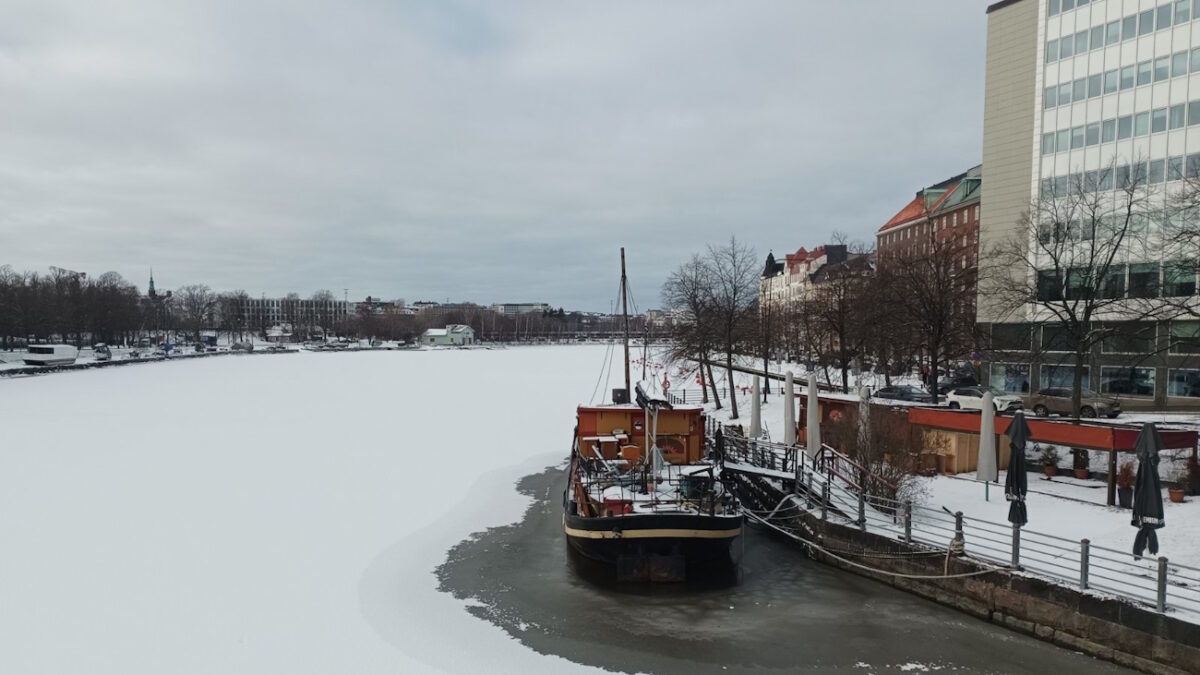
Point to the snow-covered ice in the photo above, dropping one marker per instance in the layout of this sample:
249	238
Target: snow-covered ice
270	515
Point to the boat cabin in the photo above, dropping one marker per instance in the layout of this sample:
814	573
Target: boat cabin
619	432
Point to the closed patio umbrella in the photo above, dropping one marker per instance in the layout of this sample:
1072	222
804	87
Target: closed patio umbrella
1016	484
1147	491
987	469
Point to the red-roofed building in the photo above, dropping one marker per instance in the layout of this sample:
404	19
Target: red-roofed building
948	210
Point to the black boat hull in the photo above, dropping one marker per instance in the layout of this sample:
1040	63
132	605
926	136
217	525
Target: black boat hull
656	547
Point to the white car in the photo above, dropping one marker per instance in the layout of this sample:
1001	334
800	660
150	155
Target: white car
971	398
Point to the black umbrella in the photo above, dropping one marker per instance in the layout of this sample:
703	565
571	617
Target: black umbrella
1147	491
1016	483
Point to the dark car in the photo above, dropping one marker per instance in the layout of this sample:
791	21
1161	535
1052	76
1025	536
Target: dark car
946	384
1058	400
904	393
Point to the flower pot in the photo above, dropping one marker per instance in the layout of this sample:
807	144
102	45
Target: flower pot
1125	497
1051	470
1082	474
1176	495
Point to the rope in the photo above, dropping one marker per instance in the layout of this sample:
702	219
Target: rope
898	575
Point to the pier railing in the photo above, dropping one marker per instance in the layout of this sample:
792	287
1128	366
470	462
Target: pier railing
827	488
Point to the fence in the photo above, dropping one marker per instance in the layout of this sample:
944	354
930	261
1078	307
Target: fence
830	483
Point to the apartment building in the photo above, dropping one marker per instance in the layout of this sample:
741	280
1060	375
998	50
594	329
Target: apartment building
1093	98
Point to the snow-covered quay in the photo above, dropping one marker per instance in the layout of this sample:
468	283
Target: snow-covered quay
269	515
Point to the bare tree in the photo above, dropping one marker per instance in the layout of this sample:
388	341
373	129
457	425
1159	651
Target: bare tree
733	298
929	293
687	292
838	314
1065	263
197	304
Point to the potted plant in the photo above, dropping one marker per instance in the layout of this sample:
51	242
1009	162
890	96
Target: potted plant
1125	476
1193	477
1049	459
1082	461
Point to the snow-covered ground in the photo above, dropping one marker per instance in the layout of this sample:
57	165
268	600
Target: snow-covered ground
270	515
1063	507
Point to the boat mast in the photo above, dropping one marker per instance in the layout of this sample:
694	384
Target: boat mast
625	316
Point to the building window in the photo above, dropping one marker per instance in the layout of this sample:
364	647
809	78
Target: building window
1143	280
1178	116
1179	279
1012	336
1158	120
1164	16
1179	64
1129	338
1129	27
1146	22
1162	68
1184	382
1056	339
1145	73
1127	381
1141	124
1010	377
1183	11
1061	377
1185	337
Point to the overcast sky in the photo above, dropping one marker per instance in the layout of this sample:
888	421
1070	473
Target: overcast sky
480	151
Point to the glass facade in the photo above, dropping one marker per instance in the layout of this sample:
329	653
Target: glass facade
1011	377
1127	381
1061	376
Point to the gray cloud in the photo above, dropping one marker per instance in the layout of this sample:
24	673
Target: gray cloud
470	150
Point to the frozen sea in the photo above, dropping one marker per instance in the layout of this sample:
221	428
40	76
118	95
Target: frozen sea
359	513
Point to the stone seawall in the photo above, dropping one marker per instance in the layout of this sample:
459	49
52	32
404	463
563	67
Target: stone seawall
1107	628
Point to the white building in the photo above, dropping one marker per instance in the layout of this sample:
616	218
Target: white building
451	336
1083	97
515	308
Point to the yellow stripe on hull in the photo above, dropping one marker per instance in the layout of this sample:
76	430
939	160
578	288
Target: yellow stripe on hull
652	534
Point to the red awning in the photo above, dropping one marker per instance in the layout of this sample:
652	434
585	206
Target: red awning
1083	435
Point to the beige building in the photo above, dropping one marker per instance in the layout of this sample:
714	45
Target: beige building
1084	98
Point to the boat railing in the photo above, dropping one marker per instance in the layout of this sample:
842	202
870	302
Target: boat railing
697	490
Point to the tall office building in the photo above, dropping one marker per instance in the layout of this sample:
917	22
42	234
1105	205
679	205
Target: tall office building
1093	93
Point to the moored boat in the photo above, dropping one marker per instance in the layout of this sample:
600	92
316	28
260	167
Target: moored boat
642	494
50	355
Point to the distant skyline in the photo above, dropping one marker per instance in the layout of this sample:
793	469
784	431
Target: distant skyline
483	152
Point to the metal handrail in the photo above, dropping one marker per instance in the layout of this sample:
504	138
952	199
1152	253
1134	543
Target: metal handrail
1149	581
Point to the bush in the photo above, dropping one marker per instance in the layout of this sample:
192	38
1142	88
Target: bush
1082	459
1049	455
1191	479
1126	475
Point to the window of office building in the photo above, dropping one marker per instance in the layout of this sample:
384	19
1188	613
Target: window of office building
1183	382
1179	279
1129	338
1185	337
1012	336
1143	280
1010	377
1061	376
1127	381
1056	339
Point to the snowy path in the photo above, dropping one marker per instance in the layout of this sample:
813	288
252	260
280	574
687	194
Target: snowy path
269	515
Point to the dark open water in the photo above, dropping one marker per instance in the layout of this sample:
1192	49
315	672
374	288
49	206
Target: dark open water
782	612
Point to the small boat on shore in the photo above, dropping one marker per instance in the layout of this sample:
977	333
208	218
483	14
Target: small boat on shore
641	493
51	355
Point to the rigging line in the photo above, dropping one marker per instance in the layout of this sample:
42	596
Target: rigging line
600	376
898	575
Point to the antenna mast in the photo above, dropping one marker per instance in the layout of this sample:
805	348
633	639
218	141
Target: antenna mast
625	316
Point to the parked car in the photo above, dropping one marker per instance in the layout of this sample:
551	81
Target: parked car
904	392
1057	400
955	382
971	398
242	347
101	352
